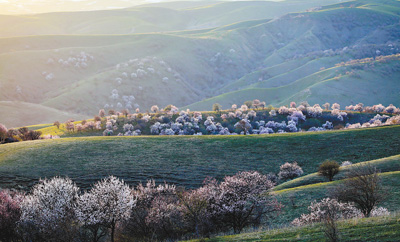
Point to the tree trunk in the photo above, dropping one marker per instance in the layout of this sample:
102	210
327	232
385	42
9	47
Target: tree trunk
112	230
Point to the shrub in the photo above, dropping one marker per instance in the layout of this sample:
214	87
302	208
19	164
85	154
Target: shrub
328	211
346	163
289	171
329	169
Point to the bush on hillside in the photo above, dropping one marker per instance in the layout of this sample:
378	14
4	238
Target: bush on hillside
329	169
289	171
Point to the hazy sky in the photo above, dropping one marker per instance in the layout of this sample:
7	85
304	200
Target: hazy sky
41	6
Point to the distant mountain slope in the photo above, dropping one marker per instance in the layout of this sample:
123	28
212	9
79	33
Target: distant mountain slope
370	83
278	60
20	114
150	18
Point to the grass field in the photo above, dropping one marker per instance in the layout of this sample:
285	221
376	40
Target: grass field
383	165
366	229
297	199
187	160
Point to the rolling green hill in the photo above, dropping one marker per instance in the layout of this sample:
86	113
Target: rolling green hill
186	160
366	229
387	164
206	56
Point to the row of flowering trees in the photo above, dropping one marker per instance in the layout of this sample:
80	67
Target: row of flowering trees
242	120
56	209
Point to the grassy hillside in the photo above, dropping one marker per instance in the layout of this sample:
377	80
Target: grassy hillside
383	165
296	200
366	229
348	84
186	160
290	58
17	114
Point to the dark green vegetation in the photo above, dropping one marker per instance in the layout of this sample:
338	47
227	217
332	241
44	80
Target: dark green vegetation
229	52
186	160
366	229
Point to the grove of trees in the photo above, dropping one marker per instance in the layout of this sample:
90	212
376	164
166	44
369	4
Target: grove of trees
56	209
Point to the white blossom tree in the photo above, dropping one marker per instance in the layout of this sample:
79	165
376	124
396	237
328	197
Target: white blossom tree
49	209
107	204
290	171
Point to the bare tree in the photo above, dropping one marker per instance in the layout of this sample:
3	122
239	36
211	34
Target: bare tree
57	123
363	187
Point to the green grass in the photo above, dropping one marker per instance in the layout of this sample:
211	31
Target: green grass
187	160
17	114
315	87
367	229
383	165
297	199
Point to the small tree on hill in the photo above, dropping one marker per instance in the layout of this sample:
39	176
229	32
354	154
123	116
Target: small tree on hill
329	169
154	109
363	187
243	125
289	171
57	123
216	107
249	104
125	112
262	105
326	106
111	112
256	103
102	113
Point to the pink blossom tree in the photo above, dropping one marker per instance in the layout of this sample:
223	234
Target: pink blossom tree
244	199
10	213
